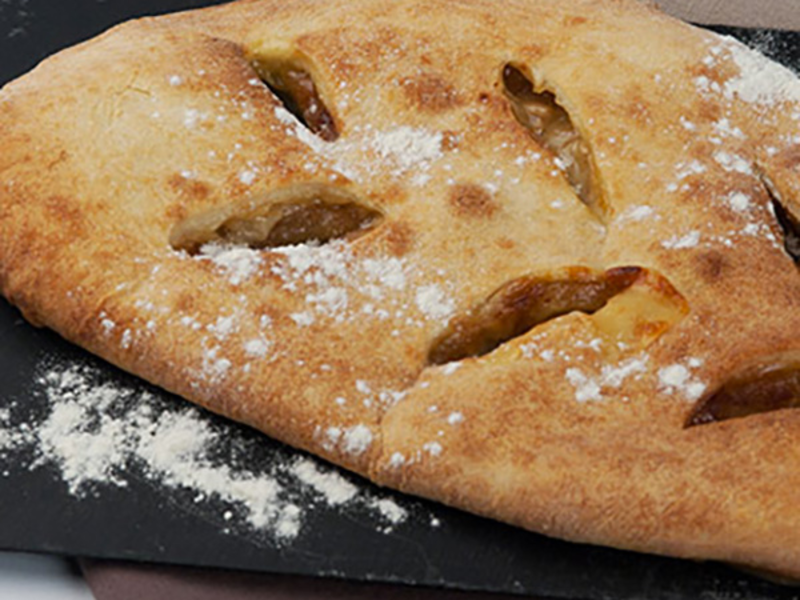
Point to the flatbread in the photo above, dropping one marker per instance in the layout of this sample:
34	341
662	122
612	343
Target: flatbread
533	259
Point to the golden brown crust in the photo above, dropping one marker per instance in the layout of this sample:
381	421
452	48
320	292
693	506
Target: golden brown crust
574	428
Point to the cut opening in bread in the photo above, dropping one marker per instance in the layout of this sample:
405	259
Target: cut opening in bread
775	386
550	125
522	304
787	219
291	83
297	214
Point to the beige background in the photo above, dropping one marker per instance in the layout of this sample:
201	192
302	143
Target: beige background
777	14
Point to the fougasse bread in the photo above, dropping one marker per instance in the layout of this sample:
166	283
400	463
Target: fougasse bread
533	259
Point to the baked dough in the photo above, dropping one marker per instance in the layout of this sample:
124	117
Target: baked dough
553	280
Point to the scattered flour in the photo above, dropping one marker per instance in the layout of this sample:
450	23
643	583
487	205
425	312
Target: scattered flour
175	449
614	375
390	510
247	177
6	434
333	487
84	455
101	433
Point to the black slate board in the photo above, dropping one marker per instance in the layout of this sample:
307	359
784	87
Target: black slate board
145	523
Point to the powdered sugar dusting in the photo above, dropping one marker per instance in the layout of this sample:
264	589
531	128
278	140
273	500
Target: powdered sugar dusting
760	79
586	389
739	201
432	301
680	242
357	439
341	285
612	376
238	263
637	213
403	151
408	147
678	378
733	163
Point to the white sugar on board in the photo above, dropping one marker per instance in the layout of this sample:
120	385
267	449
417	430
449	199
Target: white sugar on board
98	433
390	510
175	449
83	455
7	436
333	487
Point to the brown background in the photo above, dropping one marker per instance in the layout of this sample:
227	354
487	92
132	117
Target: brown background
123	581
775	14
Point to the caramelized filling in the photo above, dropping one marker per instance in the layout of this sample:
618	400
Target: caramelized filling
293	215
298	223
295	88
791	229
550	125
522	304
765	390
642	313
789	224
